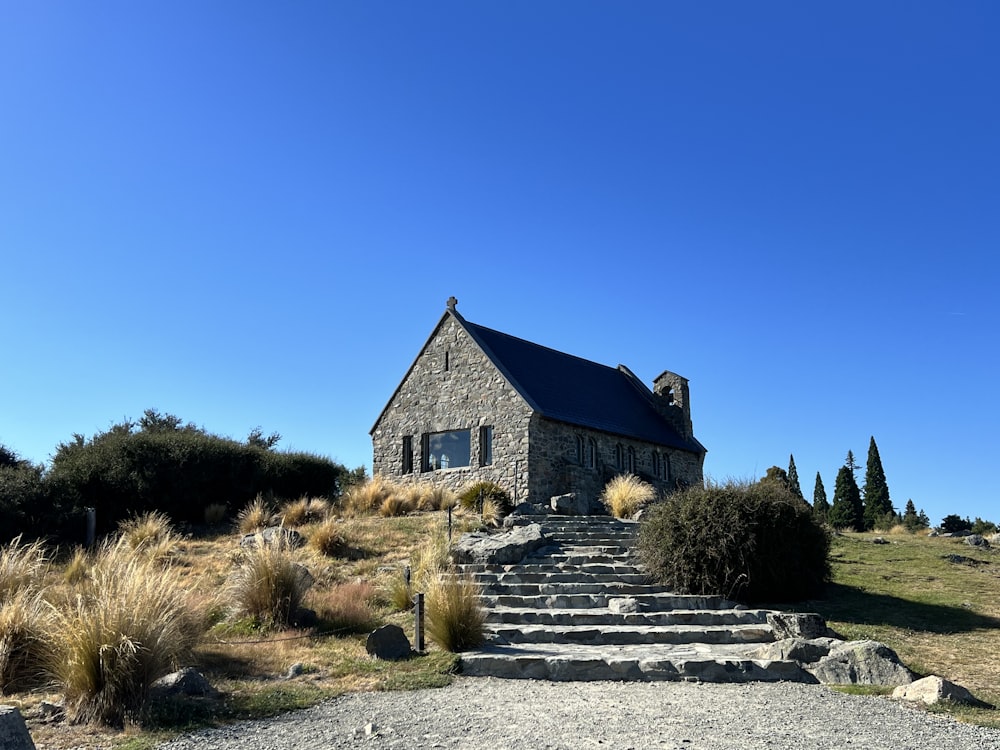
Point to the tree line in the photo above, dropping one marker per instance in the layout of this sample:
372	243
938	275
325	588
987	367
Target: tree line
156	463
869	506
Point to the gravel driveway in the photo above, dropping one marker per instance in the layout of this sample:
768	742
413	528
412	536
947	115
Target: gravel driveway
476	713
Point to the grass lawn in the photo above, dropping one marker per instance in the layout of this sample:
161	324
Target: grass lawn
939	613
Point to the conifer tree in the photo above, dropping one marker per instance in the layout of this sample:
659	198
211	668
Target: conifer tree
847	510
793	478
821	508
877	504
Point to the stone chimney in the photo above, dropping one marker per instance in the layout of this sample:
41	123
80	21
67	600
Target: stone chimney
673	400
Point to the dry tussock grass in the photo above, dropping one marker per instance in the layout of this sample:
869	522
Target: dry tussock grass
22	565
254	517
626	494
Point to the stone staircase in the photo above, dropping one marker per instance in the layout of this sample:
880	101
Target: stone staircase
582	609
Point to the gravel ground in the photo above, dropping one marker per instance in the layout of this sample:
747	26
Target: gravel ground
479	713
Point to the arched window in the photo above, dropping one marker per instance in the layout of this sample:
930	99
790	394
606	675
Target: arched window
579	450
630	457
619	457
591	453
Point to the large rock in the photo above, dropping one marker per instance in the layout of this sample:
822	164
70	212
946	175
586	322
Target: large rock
861	663
934	689
806	625
506	548
570	504
804	651
976	540
279	535
13	731
187	681
388	642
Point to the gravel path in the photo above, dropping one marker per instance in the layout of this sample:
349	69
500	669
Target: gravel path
488	714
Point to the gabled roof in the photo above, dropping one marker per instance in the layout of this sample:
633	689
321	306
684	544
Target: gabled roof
569	389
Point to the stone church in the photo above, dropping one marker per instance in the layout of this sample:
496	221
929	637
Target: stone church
478	404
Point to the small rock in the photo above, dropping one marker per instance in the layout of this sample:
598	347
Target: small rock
295	670
187	681
623	605
861	663
279	535
388	642
51	712
796	649
797	625
370	729
880	540
934	689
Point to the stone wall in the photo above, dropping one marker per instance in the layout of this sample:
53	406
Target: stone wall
454	386
556	467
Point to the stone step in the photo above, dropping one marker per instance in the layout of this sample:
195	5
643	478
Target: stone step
658	602
563	576
633	635
584	586
573	558
564	662
548	567
699	617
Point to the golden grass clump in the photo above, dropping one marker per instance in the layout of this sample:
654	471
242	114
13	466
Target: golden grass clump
269	584
455	619
363	499
304	510
131	624
328	539
27	634
77	568
150	533
436	497
21	566
347	607
254	517
624	495
396	504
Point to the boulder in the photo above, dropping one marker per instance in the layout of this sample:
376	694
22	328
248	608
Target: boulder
570	504
13	731
187	681
279	535
506	548
977	540
388	642
934	689
802	650
861	663
880	540
797	625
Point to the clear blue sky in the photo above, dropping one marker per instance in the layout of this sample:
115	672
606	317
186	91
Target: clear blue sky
248	213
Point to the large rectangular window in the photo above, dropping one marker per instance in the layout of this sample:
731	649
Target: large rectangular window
485	446
447	450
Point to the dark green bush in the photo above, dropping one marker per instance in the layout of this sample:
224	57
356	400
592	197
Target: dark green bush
472	496
749	542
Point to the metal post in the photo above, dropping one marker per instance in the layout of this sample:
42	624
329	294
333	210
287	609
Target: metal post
91	526
418	626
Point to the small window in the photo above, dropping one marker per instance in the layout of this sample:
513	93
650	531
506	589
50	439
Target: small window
447	361
579	450
407	454
447	450
630	460
591	453
485	446
619	457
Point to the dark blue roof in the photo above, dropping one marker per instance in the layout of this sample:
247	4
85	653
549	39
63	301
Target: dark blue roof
570	389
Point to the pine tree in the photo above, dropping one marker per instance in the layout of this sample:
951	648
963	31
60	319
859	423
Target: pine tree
846	511
821	508
793	478
877	504
910	518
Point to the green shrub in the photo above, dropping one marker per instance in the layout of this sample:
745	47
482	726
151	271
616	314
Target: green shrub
750	542
624	495
476	493
455	619
132	623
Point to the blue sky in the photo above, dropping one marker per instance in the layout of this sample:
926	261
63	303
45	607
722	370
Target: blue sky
250	213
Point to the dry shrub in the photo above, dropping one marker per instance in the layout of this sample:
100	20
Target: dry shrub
151	534
347	607
215	513
396	504
899	530
78	567
304	510
626	494
491	512
398	591
455	619
363	499
254	517
131	624
269	584
328	539
475	495
436	497
21	566
26	641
